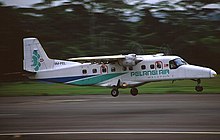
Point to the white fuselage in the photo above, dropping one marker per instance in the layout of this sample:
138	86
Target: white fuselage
152	68
116	71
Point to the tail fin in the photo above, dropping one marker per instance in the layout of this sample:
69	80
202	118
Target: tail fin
35	58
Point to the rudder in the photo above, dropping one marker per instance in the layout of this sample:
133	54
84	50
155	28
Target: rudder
35	58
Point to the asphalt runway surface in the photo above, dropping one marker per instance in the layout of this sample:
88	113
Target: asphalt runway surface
98	117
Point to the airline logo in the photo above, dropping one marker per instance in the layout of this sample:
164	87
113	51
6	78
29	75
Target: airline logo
36	60
150	72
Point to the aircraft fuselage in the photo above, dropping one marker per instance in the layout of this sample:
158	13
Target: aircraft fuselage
117	71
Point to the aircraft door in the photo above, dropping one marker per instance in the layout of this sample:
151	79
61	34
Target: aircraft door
159	65
103	69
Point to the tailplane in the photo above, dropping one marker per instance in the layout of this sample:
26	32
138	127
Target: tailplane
35	58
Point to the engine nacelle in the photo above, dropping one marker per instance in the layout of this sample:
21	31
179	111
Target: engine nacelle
130	60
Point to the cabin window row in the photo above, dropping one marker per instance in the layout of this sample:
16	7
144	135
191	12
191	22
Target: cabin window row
152	66
104	70
125	68
113	69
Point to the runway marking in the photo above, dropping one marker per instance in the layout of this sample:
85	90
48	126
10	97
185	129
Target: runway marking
61	101
9	114
75	100
111	132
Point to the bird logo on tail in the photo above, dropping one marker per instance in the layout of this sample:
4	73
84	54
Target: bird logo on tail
36	60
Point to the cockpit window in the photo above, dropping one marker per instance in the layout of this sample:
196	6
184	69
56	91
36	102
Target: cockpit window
174	64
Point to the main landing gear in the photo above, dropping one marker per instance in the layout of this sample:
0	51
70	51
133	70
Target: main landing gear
198	88
115	92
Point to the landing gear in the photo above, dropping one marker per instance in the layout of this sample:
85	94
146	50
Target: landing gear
114	92
199	88
134	91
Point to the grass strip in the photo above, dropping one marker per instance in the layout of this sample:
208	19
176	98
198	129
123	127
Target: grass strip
31	88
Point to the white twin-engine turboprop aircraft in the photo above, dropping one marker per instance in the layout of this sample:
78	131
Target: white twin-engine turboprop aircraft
117	71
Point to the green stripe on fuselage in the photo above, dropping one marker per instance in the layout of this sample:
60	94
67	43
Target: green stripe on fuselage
96	79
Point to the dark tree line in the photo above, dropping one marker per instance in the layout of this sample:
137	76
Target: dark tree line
87	28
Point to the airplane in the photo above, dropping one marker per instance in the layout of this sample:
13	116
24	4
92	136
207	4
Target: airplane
115	71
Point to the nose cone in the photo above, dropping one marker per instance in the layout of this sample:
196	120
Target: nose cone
213	73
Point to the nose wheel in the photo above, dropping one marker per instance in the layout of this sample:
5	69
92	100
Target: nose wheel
199	88
134	91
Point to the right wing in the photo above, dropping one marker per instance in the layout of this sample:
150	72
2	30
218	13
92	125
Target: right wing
123	60
98	58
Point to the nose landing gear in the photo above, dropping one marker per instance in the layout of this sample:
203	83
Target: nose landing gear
199	88
134	91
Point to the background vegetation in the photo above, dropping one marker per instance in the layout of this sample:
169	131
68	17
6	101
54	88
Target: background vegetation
188	28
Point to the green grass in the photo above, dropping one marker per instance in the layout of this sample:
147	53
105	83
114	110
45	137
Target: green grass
37	88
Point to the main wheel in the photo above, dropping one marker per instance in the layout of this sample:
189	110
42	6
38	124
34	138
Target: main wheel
134	91
199	88
114	92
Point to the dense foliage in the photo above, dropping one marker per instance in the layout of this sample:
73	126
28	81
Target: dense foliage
101	27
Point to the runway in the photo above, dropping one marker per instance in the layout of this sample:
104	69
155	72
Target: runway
146	116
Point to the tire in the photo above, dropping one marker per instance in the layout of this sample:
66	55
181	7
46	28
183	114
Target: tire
134	91
114	92
199	88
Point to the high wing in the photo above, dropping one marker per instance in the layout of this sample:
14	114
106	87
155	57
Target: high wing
98	58
124	60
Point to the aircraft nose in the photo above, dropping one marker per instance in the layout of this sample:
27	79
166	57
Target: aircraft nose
213	73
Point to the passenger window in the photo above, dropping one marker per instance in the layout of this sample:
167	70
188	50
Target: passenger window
104	70
113	69
159	65
143	67
152	66
84	71
94	70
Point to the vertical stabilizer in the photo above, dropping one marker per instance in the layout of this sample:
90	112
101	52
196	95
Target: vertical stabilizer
35	58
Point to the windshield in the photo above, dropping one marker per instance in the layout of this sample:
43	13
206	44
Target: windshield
176	63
